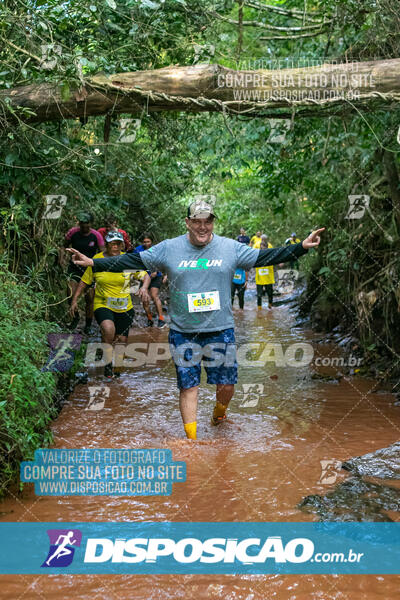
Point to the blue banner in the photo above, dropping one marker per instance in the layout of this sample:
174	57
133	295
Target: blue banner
200	548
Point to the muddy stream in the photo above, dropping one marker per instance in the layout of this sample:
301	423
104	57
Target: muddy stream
258	467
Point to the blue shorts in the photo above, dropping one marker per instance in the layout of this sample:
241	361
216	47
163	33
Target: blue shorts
216	349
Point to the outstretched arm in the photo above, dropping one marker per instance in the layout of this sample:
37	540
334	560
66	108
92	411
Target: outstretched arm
117	264
274	256
114	264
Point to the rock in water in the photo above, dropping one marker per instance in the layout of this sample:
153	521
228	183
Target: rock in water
354	500
384	463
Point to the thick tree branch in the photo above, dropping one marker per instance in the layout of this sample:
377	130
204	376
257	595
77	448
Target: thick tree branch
265	25
213	88
287	12
18	49
293	37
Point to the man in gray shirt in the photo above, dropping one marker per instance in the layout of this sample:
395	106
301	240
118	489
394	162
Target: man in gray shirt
200	266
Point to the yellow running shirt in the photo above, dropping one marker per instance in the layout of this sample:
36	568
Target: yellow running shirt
112	289
265	275
255	242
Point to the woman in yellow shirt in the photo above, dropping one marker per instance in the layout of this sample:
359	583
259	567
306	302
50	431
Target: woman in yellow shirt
113	309
265	280
255	241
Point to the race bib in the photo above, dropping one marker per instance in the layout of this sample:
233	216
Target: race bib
203	301
117	303
263	271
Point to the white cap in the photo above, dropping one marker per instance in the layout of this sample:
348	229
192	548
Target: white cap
200	209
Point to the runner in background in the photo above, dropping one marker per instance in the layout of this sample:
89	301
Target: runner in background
151	283
113	309
243	238
265	280
265	240
255	241
293	239
239	284
111	225
89	242
240	276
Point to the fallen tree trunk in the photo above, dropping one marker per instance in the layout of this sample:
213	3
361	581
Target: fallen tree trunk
326	89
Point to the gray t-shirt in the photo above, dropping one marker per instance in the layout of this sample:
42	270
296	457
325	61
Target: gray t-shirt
192	269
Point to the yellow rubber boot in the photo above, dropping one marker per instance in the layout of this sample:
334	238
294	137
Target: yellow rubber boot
191	430
218	414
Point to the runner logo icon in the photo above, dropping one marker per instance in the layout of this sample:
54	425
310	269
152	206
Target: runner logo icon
61	551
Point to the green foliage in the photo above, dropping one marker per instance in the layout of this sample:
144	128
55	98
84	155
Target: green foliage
26	394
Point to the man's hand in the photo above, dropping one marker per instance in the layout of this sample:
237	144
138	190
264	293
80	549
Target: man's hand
80	259
313	239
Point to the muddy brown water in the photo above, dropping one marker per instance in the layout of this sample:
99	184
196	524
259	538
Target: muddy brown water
257	467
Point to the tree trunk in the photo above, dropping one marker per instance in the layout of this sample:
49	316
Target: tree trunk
212	88
392	174
240	30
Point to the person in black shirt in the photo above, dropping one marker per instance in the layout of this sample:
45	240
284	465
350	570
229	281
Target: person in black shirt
89	242
243	238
